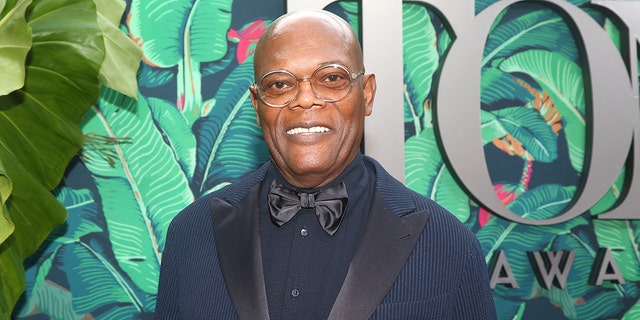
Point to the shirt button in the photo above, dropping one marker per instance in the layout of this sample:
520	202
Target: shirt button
304	232
295	292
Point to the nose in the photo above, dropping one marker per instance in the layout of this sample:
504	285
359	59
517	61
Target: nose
306	97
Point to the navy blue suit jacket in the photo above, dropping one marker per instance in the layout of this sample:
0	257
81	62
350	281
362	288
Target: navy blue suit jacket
415	260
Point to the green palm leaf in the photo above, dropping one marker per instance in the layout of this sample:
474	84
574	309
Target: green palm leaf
421	59
623	238
483	4
350	10
38	131
142	186
633	312
182	33
542	202
491	127
118	70
230	143
15	43
602	302
177	131
499	87
516	239
564	82
99	287
540	29
531	129
427	174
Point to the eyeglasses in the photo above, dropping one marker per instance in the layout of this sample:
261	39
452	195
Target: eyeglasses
331	83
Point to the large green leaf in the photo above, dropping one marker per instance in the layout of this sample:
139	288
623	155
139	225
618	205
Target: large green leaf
118	70
420	58
141	183
6	226
427	174
15	43
562	79
38	131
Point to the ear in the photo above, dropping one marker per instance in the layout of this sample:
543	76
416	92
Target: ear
254	101
369	89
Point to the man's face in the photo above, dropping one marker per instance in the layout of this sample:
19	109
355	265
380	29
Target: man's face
312	141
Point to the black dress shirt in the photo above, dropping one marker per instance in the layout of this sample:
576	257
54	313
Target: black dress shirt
304	267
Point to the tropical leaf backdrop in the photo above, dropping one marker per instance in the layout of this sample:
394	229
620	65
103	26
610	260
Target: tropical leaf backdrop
192	130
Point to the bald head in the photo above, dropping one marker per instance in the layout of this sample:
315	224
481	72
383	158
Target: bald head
304	26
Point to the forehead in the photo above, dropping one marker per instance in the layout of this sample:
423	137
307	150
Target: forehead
300	45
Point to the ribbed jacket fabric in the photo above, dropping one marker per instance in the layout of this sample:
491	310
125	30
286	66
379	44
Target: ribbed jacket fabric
445	276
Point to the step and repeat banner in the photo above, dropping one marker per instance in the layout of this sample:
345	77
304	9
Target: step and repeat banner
519	117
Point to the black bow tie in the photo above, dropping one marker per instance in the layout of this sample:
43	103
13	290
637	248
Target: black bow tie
329	203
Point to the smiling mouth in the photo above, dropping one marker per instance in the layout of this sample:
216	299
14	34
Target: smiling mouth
311	130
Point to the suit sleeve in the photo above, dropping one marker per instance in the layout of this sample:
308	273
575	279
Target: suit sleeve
473	297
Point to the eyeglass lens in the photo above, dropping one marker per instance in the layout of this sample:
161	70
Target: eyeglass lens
329	83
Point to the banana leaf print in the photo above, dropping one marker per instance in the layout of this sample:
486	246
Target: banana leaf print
633	312
421	59
623	238
95	286
427	174
516	239
483	4
229	143
349	11
579	299
142	185
527	127
176	131
497	89
182	34
562	79
539	29
578	240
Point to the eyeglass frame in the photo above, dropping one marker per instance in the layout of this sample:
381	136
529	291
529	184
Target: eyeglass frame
352	78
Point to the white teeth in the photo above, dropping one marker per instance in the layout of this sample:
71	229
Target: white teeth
308	130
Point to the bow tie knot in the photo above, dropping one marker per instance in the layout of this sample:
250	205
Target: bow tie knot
329	205
307	200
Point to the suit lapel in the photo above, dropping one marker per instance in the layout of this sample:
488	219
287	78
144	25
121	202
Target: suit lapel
386	244
238	247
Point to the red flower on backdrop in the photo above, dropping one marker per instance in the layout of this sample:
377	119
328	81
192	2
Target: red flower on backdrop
247	37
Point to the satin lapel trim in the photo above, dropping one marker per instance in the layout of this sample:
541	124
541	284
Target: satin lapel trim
387	243
238	247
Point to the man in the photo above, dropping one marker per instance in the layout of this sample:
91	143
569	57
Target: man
354	244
